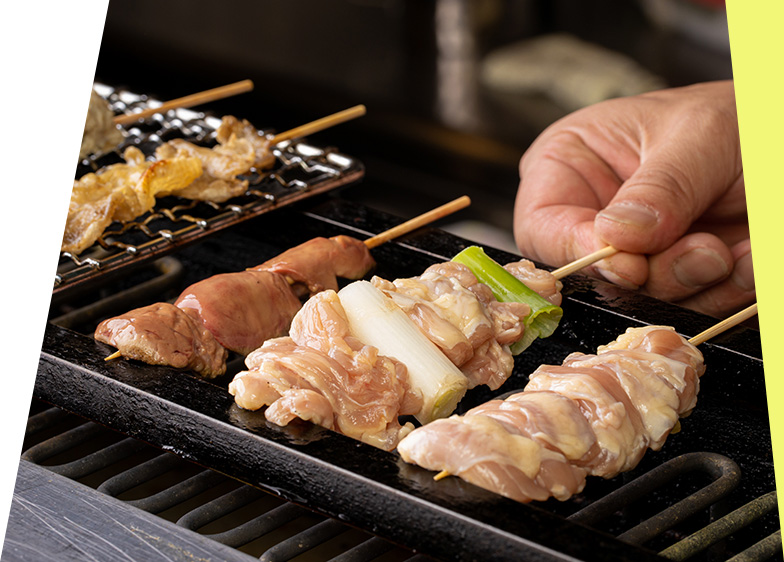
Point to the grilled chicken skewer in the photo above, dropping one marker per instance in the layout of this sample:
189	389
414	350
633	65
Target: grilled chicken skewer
594	415
101	128
122	192
239	311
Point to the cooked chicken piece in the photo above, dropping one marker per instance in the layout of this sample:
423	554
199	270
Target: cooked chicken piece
599	413
221	165
323	374
121	192
100	133
240	149
318	263
242	309
232	127
162	334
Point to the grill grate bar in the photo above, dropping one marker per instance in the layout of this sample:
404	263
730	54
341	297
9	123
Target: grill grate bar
302	542
724	471
62	442
260	526
179	493
144	472
219	507
366	551
765	549
87	464
44	420
139	474
723	528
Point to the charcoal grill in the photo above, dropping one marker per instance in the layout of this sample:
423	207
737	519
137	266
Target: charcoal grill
708	495
719	462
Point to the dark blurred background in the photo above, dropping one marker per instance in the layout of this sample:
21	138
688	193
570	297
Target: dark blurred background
456	90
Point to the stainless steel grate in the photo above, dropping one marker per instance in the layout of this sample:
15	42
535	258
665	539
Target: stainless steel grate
301	170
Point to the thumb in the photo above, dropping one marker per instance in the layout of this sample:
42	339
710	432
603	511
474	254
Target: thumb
676	182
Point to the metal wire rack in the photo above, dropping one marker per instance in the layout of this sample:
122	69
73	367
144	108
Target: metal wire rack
301	170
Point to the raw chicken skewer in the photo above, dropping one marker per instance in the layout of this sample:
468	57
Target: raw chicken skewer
593	415
357	359
215	314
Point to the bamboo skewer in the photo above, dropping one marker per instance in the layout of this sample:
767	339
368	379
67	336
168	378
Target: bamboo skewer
396	231
421	220
320	124
724	325
188	101
700	338
584	261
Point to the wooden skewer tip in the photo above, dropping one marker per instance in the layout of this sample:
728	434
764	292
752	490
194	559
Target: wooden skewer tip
441	475
321	124
724	325
113	356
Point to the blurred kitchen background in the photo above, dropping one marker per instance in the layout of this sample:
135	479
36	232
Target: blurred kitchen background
456	90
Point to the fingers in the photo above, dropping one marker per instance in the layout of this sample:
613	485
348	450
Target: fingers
694	263
732	294
687	165
563	184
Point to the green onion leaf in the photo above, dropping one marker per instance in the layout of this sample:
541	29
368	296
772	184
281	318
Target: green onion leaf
544	317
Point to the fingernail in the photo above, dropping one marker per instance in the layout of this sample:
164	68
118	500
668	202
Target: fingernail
630	214
743	273
616	279
700	267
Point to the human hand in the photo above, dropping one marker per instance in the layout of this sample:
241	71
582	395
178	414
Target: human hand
659	177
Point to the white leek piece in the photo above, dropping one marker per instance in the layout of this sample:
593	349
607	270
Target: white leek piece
376	320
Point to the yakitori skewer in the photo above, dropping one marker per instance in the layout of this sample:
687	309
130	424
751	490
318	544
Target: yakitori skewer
404	228
188	101
320	124
700	338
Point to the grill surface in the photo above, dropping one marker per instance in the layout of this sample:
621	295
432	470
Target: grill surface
727	435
